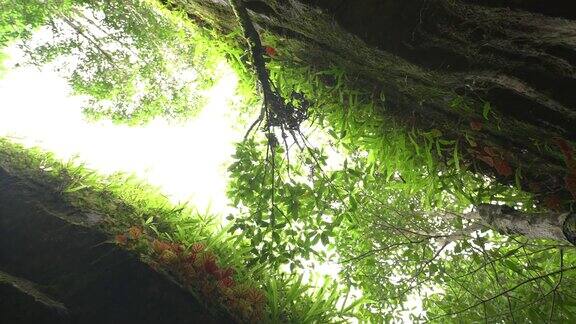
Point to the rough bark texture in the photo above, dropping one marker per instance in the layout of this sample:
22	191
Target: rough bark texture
555	226
427	55
56	268
21	302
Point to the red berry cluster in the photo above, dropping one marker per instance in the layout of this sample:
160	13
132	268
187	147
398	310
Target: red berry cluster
198	269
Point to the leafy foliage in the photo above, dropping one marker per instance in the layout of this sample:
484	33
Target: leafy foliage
131	59
283	217
138	217
21	18
393	213
390	213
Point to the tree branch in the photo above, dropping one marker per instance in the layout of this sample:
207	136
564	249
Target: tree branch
504	292
256	51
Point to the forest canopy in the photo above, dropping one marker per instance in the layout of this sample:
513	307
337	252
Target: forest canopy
419	191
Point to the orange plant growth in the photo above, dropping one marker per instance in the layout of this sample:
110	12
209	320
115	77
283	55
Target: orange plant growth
135	232
270	51
121	239
199	269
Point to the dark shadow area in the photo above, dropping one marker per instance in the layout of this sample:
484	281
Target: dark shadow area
556	8
96	281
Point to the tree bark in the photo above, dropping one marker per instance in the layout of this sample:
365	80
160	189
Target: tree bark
64	271
506	220
437	62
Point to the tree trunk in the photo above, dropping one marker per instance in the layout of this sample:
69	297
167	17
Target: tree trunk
56	266
505	220
438	61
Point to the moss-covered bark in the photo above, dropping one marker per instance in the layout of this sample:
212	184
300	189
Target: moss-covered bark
57	267
555	226
438	62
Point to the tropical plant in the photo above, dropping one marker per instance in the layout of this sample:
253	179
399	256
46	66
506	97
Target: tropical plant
325	174
132	61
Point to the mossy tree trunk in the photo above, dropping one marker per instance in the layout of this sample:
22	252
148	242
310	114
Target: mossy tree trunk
551	225
438	62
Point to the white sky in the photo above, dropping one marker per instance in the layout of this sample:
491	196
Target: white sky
187	160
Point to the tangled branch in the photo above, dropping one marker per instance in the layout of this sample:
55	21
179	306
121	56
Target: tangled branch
275	112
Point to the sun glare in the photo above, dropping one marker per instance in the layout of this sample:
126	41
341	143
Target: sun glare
186	160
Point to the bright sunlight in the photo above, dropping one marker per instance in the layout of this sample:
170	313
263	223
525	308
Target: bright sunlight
186	160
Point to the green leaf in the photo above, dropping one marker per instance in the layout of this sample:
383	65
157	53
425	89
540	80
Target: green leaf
486	109
325	239
456	158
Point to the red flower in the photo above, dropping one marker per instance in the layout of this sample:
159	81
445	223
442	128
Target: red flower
159	246
270	51
121	239
224	273
197	247
191	258
228	272
176	248
135	232
219	274
210	266
226	282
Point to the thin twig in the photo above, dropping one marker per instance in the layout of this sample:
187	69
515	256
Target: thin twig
78	30
555	290
505	292
388	247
